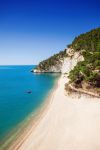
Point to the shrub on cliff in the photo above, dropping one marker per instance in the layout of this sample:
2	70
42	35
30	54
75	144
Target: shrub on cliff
89	41
52	61
89	69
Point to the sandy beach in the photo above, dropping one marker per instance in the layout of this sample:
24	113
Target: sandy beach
69	123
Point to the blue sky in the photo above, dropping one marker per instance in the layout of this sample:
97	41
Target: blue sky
31	31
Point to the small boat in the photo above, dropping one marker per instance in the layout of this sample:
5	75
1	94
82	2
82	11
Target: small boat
29	92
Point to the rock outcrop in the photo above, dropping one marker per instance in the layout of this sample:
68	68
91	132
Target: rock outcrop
64	65
71	61
53	69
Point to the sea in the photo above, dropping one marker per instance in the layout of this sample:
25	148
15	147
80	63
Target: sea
21	93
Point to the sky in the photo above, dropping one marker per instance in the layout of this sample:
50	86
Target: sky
33	30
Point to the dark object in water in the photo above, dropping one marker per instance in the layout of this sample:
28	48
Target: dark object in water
29	92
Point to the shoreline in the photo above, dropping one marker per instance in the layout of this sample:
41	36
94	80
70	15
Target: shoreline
67	121
30	122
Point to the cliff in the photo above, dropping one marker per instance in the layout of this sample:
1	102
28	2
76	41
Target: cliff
64	64
71	60
80	61
52	64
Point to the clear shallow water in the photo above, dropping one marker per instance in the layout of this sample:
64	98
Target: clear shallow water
15	103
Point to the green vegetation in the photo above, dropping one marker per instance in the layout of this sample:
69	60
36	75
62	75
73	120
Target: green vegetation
89	69
52	61
89	41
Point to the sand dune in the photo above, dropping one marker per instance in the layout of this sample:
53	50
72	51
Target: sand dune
69	123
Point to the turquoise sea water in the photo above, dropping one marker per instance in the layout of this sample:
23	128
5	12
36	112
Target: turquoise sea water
15	103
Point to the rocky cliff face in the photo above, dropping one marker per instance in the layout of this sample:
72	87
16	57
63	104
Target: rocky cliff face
64	65
52	69
71	61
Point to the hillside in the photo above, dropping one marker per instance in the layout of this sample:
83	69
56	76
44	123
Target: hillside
81	61
52	64
86	74
89	41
